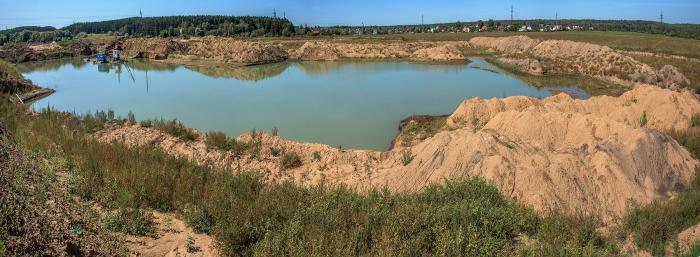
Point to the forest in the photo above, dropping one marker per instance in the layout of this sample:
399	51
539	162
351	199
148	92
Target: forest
246	26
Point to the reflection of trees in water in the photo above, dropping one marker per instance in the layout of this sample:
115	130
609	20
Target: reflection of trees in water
52	65
255	72
315	68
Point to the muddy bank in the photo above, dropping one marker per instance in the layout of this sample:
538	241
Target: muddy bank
554	154
538	57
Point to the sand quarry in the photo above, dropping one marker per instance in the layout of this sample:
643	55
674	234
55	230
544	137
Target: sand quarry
599	155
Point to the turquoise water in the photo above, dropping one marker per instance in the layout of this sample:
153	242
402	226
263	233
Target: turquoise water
352	104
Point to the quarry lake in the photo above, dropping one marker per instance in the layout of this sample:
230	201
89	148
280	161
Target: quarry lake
350	104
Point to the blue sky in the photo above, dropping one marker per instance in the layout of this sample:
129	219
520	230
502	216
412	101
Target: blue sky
15	13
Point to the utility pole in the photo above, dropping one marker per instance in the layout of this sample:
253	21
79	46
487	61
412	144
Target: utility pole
511	14
661	18
422	21
274	13
284	15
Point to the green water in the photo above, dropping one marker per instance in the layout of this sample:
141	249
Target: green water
352	104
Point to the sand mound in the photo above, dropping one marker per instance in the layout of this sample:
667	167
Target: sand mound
236	51
418	51
151	48
568	57
315	51
557	153
438	53
664	109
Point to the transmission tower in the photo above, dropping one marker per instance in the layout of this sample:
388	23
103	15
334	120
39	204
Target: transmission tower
422	21
511	14
274	13
661	17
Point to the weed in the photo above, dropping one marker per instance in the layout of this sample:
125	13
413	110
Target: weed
406	156
198	218
130	221
275	151
131	118
695	120
290	160
643	120
317	156
191	246
274	131
172	127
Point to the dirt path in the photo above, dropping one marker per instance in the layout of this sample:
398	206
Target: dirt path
173	238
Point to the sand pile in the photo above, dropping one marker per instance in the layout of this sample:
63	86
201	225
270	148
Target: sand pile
568	57
418	51
235	51
663	109
315	51
438	53
151	48
557	153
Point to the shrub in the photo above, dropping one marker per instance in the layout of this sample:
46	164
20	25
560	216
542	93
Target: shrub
317	156
172	127
290	160
643	119
198	218
406	156
275	151
219	140
274	131
131	221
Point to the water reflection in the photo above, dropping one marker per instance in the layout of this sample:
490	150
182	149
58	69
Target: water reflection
353	104
576	86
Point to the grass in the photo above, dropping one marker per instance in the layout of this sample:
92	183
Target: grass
418	128
689	68
172	127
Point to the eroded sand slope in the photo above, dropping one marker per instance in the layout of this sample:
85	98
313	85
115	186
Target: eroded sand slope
537	56
556	153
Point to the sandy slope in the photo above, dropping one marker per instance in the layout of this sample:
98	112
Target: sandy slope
569	57
557	153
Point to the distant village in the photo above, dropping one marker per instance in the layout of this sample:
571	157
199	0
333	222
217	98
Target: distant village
458	27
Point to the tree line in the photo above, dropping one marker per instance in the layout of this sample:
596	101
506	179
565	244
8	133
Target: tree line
169	26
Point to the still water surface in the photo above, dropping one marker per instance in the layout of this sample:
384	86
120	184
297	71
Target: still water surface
352	104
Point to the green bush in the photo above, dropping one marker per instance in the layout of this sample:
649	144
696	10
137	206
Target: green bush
406	156
198	218
290	160
643	120
131	221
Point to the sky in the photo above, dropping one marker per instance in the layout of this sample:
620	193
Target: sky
14	13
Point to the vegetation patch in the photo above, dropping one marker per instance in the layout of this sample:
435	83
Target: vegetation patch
290	160
172	127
